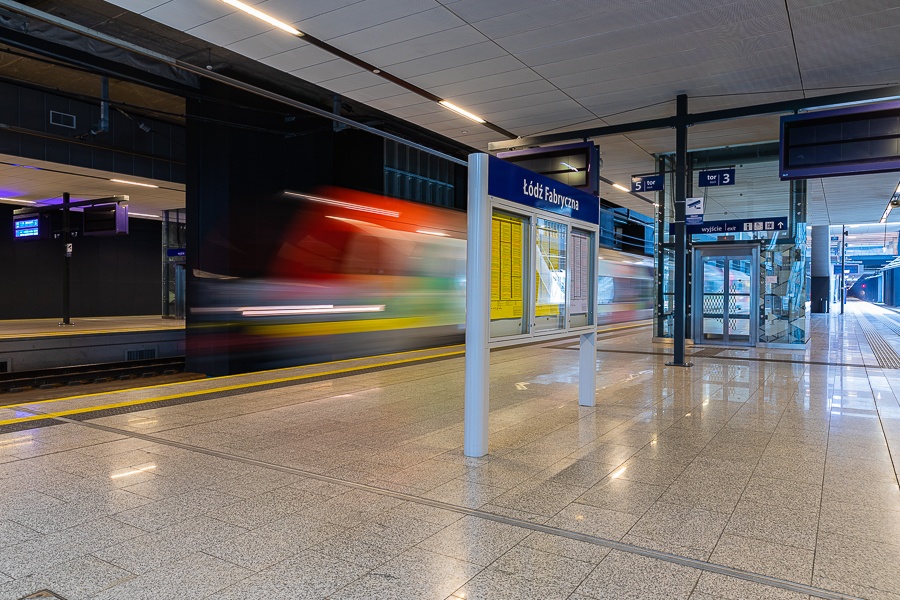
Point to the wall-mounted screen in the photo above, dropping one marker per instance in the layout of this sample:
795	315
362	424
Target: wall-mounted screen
27	226
846	141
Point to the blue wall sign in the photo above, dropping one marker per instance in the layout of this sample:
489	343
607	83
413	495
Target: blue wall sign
514	183
717	177
736	226
175	252
647	183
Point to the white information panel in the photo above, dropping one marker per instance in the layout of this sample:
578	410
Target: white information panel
531	260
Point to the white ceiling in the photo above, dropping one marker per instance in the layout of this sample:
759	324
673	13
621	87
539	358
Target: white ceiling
534	66
26	182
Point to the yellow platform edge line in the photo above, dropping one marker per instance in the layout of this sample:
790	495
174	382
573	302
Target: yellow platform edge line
224	377
247	385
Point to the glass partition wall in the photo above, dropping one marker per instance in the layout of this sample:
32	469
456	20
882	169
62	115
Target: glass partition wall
774	302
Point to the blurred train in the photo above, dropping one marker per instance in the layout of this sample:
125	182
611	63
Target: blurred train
354	274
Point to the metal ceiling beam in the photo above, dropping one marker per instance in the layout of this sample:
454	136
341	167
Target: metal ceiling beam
201	72
782	106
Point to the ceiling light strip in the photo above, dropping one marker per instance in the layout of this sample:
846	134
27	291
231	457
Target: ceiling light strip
264	17
148	185
310	39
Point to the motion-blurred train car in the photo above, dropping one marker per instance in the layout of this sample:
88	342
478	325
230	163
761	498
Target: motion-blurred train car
355	274
625	287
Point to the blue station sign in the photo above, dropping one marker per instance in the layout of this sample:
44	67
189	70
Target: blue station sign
517	184
767	224
647	183
715	178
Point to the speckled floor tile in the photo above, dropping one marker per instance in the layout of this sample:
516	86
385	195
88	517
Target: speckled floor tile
682	526
536	565
539	497
730	588
462	492
622	575
417	573
565	547
855	561
763	557
776	524
492	584
600	522
194	576
79	578
787	494
574	472
622	495
150	551
475	540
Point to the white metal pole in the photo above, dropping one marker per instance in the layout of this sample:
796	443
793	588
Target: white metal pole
587	369
478	305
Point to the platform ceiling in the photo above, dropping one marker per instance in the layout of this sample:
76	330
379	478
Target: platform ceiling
534	67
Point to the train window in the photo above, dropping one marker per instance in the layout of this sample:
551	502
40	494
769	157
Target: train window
606	290
364	256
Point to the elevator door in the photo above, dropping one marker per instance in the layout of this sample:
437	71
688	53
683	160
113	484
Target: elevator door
726	295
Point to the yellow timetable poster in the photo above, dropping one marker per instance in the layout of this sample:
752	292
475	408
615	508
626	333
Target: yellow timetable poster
506	267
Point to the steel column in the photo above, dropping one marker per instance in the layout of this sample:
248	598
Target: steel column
680	300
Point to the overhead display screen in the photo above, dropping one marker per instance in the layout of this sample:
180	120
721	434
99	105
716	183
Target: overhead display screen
28	227
847	141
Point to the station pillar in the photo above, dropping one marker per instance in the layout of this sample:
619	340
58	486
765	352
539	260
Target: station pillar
820	270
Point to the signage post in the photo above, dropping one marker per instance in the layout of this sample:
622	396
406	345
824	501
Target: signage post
531	275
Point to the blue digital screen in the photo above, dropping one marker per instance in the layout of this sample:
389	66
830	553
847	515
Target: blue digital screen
34	232
25	228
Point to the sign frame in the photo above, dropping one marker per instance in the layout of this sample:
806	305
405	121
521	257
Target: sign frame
648	183
497	185
715	177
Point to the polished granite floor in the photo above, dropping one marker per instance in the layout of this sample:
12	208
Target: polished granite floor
754	474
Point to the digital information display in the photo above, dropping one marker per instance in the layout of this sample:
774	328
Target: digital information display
27	228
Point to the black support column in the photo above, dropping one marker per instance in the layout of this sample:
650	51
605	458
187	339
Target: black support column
67	264
680	301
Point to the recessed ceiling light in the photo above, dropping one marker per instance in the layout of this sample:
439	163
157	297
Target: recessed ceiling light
264	17
149	185
461	111
134	214
619	186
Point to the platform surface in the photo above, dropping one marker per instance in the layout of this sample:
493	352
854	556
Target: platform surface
19	328
756	473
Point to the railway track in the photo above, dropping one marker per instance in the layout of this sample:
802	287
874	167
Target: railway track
22	381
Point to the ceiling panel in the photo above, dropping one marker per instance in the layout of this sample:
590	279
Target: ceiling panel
359	16
43	181
467	72
264	45
305	55
181	14
533	66
229	29
403	29
398	52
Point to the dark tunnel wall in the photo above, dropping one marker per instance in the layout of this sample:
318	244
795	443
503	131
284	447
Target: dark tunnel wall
110	276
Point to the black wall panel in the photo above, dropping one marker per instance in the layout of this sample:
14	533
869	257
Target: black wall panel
126	148
110	276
